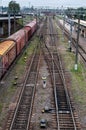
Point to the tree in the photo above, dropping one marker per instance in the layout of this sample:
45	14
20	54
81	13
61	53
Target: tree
70	12
81	12
13	7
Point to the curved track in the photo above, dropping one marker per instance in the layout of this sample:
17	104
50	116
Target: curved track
64	111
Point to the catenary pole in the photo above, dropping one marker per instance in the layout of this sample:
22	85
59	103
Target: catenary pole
76	57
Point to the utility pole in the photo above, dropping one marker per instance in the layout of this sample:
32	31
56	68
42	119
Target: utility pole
1	7
63	13
14	21
9	25
37	16
70	42
76	57
63	24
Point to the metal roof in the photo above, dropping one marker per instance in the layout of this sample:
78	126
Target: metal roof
6	18
6	46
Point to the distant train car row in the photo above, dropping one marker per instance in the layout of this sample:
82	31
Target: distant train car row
13	45
69	21
74	23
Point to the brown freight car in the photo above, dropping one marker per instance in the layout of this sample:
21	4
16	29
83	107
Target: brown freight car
32	25
28	32
19	38
13	45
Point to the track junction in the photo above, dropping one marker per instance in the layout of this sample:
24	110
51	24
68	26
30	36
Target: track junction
61	114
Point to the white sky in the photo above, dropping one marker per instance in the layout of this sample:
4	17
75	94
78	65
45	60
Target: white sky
47	3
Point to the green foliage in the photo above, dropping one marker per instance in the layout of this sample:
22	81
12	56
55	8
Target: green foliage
76	13
19	21
59	17
13	7
11	89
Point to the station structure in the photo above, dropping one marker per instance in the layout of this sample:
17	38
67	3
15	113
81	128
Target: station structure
4	23
82	27
73	26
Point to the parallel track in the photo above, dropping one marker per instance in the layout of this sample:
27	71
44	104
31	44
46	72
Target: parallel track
65	113
22	114
81	50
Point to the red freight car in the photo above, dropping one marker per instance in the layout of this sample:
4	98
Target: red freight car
28	32
7	55
10	48
33	26
19	38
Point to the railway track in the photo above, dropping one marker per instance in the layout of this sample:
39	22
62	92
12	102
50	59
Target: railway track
65	114
81	50
50	116
61	116
20	119
64	111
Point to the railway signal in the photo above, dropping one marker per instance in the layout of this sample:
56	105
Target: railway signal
44	81
9	24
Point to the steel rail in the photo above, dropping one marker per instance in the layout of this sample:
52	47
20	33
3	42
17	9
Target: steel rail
60	70
67	95
63	80
64	84
26	77
28	124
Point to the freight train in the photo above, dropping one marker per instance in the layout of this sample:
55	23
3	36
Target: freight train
13	45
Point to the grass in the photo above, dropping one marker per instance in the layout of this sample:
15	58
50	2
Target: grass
20	21
59	17
11	89
27	19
